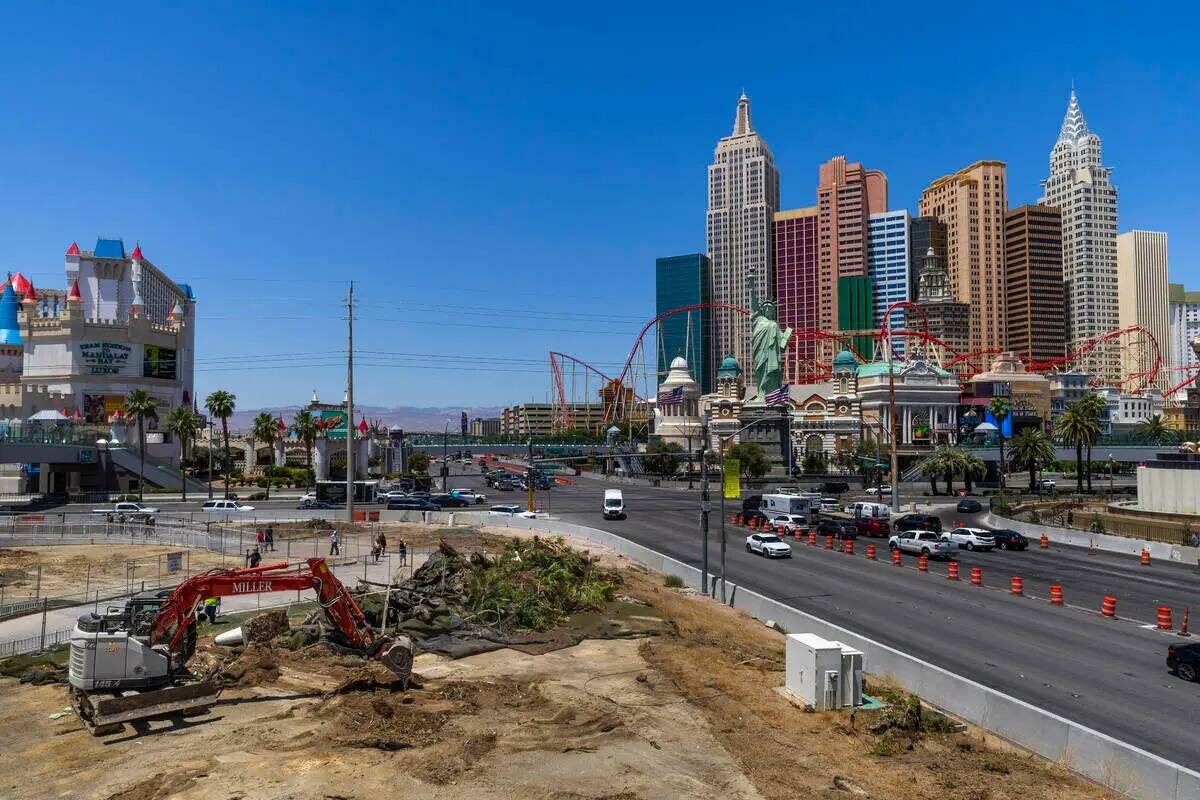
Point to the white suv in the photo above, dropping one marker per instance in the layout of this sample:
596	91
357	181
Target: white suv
225	506
790	522
768	545
970	538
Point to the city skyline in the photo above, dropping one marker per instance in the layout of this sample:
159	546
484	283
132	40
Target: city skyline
264	216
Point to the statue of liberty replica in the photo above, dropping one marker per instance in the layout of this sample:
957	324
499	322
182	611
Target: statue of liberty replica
768	343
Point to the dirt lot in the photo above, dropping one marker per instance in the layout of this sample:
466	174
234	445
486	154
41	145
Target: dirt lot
688	713
65	568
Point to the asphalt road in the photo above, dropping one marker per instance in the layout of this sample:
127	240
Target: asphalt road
1108	675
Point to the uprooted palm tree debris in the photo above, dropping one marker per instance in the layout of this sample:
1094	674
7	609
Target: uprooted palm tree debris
460	605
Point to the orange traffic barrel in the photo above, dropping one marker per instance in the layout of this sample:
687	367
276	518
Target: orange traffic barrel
952	571
1056	595
896	557
737	519
812	538
1109	607
1016	586
1183	629
1145	557
828	542
1164	619
871	552
848	547
922	563
977	576
1045	542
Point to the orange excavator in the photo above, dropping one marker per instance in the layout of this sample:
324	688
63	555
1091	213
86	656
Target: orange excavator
131	663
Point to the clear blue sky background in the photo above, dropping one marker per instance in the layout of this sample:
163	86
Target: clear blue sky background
498	180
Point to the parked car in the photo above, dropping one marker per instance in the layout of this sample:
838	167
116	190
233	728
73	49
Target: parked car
1184	660
1007	539
1046	483
790	522
880	490
225	506
412	504
970	538
832	487
469	495
126	508
830	504
925	543
918	522
768	545
877	527
449	501
838	529
505	511
969	507
308	496
314	505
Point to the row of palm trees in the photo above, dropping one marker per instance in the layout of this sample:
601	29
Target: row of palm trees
184	423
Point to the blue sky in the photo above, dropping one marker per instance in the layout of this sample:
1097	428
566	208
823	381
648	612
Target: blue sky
498	180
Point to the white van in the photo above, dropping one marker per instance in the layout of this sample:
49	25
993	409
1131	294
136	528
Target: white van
870	510
614	504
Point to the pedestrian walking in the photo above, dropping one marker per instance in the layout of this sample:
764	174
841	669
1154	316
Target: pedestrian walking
260	536
269	535
382	544
334	550
255	558
402	549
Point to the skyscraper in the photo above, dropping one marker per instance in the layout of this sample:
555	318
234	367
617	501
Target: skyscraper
743	196
888	266
681	281
949	319
1184	310
923	233
972	203
1078	186
847	194
1036	330
794	238
1143	300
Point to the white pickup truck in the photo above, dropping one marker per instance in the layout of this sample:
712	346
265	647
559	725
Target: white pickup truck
925	543
127	512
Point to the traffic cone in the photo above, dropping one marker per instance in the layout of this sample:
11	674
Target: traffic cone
1145	559
1056	594
1164	619
952	571
1183	631
1109	607
828	542
848	547
977	576
1016	586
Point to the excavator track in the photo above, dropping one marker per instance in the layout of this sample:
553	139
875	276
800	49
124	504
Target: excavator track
105	713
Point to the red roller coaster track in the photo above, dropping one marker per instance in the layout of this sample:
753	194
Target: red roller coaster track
1146	377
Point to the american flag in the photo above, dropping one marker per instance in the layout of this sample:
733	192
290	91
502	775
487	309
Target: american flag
671	398
778	397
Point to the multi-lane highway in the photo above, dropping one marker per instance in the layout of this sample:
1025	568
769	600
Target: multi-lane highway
1106	674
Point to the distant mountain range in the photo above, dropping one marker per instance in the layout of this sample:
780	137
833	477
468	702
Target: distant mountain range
410	418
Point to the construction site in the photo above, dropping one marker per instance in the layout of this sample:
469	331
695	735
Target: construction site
492	664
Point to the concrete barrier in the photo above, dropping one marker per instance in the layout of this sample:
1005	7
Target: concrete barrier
1161	551
1118	765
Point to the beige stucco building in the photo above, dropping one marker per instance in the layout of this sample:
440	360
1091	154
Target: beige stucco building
1143	298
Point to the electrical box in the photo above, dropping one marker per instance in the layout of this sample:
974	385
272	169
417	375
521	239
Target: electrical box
850	687
812	670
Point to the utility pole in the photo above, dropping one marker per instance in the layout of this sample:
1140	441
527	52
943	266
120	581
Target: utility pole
531	477
350	402
892	422
210	449
705	504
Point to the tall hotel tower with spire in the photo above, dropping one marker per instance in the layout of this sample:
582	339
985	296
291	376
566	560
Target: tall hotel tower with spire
743	196
1078	185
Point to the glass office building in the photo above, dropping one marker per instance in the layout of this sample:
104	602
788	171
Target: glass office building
682	281
887	265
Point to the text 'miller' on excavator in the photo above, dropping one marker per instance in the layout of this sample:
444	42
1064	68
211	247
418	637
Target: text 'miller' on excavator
130	663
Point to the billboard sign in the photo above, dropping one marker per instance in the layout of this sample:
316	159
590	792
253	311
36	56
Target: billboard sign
732	478
158	362
335	422
105	358
99	408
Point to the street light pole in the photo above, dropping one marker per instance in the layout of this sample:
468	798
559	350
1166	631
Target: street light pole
704	504
445	454
892	421
210	449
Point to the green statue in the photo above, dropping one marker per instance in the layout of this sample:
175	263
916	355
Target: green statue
768	344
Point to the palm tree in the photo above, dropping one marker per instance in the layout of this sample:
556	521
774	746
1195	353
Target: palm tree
1154	430
972	468
263	429
954	464
306	428
932	466
182	423
221	404
1000	408
1093	405
141	406
1078	427
1033	451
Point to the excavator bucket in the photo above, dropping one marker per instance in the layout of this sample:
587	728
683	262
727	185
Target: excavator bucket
397	655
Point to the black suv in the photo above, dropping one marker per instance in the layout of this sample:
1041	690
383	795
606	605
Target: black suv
1184	660
1009	539
449	501
918	522
838	529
